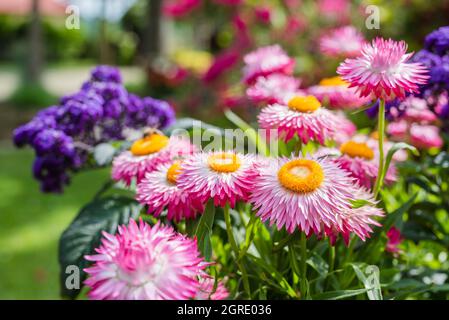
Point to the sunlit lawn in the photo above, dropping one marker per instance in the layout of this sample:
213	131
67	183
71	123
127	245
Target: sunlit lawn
30	225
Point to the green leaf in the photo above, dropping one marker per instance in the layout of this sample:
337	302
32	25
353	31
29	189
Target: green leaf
204	230
84	233
396	147
369	276
396	216
358	203
190	123
339	294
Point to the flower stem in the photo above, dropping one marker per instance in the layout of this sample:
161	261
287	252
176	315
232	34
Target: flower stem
381	132
235	248
303	266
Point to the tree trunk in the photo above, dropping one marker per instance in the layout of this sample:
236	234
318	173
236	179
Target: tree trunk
152	36
35	54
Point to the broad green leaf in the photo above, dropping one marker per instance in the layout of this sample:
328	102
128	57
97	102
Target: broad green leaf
204	230
369	276
84	233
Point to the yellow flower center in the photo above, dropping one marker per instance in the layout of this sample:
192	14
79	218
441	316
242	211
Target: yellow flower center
224	162
307	104
332	82
357	149
149	144
301	176
173	172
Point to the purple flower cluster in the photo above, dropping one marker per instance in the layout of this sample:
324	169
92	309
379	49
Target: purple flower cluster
435	56
63	136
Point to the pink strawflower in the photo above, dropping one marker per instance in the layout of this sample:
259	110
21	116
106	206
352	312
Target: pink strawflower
131	164
383	70
336	94
275	88
142	262
425	136
303	116
357	219
207	292
225	177
179	8
394	240
159	190
265	61
360	157
345	41
307	194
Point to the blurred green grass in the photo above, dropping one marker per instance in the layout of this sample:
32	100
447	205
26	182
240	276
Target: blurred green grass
31	223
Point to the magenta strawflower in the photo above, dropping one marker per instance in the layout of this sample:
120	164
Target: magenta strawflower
394	240
159	190
142	262
345	41
303	116
307	194
225	177
146	154
207	292
265	61
336	94
275	88
383	70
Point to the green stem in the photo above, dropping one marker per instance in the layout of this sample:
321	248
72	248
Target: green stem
331	262
235	248
381	132
303	266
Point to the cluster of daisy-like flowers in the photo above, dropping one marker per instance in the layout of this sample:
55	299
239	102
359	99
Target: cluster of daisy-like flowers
63	136
326	193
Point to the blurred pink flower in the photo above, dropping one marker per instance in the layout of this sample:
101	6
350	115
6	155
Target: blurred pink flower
265	61
394	240
345	41
398	129
229	2
222	63
334	9
275	88
179	8
425	136
417	110
263	14
345	128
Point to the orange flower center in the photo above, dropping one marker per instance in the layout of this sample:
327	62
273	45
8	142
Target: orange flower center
224	162
173	172
357	149
149	144
333	82
307	104
301	175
